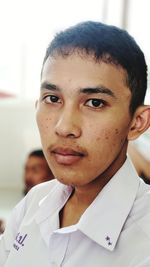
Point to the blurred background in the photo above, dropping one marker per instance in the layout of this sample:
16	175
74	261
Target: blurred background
26	28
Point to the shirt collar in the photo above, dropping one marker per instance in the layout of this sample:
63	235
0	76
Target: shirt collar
53	201
105	217
47	216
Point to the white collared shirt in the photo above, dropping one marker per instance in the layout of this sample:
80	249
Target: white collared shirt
114	231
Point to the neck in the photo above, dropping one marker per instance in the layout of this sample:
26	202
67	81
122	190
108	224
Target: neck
84	195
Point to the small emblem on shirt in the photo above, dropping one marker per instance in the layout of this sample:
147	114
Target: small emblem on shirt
19	241
108	240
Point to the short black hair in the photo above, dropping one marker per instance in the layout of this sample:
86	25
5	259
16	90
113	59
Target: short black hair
37	153
109	44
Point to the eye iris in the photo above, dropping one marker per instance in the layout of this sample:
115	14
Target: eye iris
54	98
95	102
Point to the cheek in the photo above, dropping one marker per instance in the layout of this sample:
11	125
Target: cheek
107	138
44	124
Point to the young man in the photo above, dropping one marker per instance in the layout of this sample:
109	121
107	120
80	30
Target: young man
97	211
36	170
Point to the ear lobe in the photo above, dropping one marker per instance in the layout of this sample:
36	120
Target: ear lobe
140	122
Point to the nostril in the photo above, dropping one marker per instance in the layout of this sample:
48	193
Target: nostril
71	135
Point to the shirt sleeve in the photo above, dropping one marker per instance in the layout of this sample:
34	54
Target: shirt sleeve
31	200
7	238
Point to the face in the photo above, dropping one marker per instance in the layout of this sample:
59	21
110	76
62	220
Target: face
36	171
83	118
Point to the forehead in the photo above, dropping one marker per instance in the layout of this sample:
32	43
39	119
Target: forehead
77	71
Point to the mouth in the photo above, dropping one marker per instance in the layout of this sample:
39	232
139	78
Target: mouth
66	156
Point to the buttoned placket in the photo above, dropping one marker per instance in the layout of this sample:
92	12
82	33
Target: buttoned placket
56	242
58	245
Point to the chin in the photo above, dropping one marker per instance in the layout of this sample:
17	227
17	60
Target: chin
65	181
70	181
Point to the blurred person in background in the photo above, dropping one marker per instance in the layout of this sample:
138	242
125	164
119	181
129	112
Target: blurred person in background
140	161
36	170
2	226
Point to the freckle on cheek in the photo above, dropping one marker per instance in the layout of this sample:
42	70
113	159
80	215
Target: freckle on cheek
48	119
116	131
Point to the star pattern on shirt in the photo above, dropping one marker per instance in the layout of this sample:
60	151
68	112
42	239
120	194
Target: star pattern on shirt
107	238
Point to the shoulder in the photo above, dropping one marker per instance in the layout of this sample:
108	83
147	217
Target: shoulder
41	190
27	208
30	203
144	207
140	213
38	193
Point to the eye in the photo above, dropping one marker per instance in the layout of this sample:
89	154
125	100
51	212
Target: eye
95	103
52	99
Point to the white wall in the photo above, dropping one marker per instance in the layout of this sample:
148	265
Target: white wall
18	136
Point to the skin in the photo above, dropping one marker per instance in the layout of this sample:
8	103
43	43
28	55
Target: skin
84	131
36	171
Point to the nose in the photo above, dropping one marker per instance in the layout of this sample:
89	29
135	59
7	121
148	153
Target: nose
68	124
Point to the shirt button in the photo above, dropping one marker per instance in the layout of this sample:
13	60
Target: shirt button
53	264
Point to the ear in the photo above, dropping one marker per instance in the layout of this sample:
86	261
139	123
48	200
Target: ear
140	122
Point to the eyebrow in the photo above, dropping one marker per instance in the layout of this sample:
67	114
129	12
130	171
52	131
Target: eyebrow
98	90
87	90
49	86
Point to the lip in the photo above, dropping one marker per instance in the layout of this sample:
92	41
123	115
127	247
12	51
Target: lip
66	156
